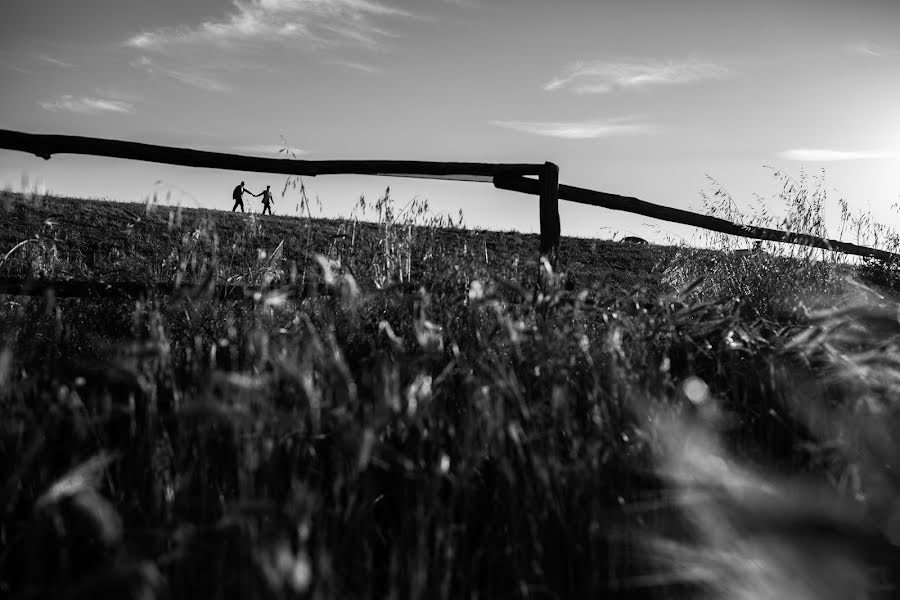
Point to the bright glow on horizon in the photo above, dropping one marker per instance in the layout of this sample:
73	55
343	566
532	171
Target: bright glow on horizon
824	155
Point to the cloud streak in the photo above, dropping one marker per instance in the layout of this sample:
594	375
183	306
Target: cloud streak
324	22
356	66
580	130
600	77
113	93
87	105
871	50
191	78
826	155
55	62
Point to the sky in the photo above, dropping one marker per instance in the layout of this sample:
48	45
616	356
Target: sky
644	98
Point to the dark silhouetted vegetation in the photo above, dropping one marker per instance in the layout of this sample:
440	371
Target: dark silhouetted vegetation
651	422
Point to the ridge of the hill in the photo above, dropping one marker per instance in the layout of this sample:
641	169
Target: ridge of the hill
109	240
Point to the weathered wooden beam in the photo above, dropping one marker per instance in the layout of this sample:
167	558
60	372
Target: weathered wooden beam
633	205
549	211
47	145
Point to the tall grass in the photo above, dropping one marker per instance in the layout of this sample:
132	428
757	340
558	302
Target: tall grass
468	428
825	526
776	280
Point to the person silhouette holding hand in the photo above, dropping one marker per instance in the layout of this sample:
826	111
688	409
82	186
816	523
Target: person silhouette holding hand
238	196
266	199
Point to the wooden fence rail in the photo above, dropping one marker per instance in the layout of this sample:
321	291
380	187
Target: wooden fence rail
46	146
513	177
675	215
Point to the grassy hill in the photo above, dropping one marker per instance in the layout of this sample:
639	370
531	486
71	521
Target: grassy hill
107	240
650	422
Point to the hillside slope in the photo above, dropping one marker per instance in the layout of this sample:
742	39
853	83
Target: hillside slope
345	446
114	241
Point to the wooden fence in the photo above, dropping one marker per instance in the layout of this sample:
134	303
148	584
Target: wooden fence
675	215
514	177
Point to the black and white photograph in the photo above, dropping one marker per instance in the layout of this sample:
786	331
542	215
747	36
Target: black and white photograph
449	299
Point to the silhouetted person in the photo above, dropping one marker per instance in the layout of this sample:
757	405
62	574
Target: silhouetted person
266	199
238	195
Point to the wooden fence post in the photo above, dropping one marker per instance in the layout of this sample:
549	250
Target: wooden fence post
549	211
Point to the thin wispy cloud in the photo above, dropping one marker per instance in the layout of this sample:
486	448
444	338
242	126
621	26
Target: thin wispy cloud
259	21
113	93
191	78
601	76
465	3
55	62
87	105
827	155
871	50
356	66
581	130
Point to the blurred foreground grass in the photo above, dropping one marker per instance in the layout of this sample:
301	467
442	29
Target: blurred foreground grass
653	422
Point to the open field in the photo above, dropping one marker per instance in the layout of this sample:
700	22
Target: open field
124	241
452	421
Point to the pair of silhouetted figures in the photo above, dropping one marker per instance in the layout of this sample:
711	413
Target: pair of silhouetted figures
238	196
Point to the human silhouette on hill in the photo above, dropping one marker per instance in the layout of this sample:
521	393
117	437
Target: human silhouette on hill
238	196
266	199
